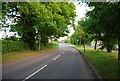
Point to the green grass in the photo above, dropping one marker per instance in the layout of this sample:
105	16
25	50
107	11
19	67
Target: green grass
19	55
22	54
105	63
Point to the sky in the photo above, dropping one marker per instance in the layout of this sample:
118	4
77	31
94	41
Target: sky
80	12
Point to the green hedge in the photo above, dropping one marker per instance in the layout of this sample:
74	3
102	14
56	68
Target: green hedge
9	46
53	45
49	45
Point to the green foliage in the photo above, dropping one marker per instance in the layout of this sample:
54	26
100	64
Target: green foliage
80	37
102	23
47	19
115	47
49	45
53	45
9	46
66	41
73	39
13	38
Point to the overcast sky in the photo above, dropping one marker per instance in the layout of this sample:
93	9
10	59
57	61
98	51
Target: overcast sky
80	12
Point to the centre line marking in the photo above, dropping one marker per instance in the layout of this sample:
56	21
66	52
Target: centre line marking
56	57
35	72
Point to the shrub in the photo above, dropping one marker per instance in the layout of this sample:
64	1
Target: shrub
42	46
115	47
9	46
52	45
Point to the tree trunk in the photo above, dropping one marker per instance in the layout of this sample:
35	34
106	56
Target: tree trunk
84	45
109	48
80	42
95	45
118	50
45	41
31	41
119	47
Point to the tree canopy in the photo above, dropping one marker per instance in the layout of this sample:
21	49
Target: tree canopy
103	23
100	24
49	19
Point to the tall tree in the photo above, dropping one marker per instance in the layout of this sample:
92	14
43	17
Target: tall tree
103	23
33	18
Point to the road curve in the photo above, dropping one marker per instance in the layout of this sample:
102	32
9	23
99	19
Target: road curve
63	63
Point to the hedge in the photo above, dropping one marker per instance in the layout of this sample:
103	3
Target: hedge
9	46
49	45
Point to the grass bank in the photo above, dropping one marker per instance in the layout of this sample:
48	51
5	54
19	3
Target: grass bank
105	63
14	56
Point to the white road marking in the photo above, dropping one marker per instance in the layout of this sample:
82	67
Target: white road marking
63	52
56	57
34	73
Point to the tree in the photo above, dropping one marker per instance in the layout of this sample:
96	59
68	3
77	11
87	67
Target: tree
81	37
102	23
33	18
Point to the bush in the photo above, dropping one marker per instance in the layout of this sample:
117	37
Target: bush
49	45
115	47
9	46
66	41
42	46
52	45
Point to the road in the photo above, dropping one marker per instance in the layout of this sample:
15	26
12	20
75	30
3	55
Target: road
63	63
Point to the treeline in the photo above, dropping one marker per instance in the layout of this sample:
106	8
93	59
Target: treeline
100	24
30	19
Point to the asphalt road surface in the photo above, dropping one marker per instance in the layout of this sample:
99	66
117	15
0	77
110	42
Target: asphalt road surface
63	63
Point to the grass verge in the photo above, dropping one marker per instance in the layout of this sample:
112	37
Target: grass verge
105	63
14	56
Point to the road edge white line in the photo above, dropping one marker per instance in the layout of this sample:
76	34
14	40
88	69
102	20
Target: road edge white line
35	72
